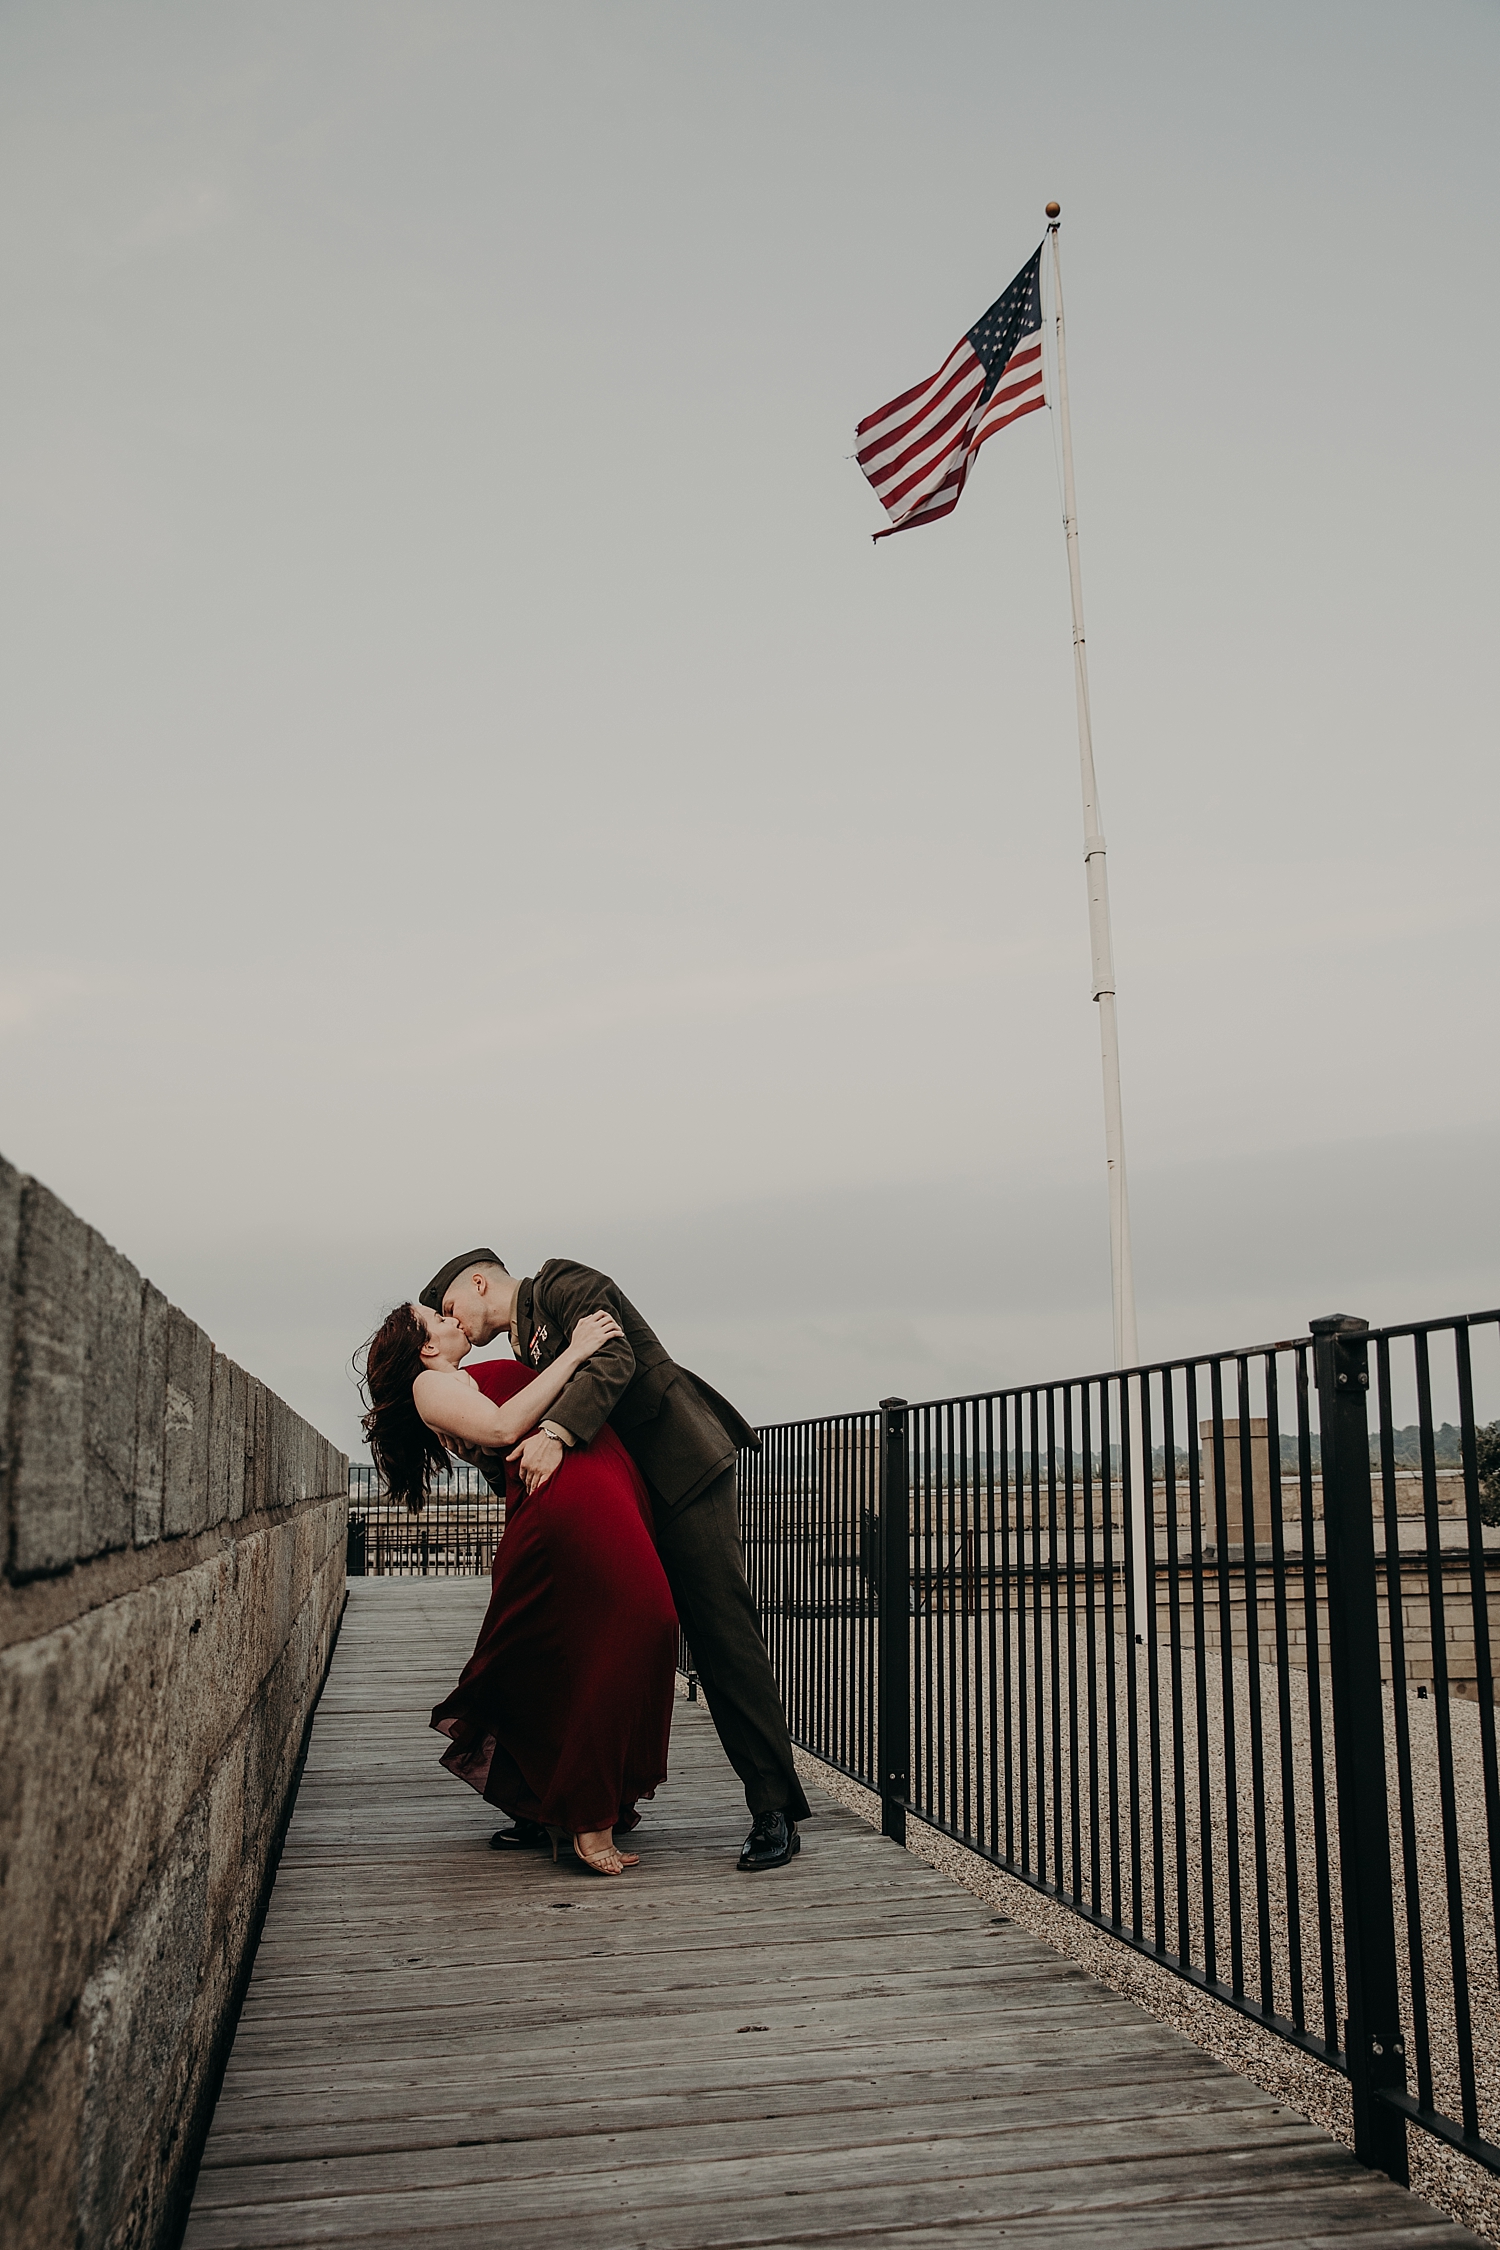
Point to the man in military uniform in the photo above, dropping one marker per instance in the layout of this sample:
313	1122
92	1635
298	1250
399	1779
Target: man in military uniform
684	1439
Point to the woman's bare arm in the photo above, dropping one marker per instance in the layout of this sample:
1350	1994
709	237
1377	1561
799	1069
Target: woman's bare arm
454	1408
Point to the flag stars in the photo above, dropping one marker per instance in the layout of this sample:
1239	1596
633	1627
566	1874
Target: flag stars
995	336
918	450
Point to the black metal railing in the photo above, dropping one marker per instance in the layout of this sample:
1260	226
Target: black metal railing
1202	1650
809	1524
455	1535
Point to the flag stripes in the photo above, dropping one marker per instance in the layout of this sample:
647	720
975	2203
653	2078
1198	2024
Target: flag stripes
917	451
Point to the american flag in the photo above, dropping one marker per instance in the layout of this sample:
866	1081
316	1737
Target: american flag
916	451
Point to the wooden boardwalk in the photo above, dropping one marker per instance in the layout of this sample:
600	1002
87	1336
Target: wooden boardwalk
444	2045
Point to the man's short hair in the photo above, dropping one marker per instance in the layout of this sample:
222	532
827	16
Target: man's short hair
442	1281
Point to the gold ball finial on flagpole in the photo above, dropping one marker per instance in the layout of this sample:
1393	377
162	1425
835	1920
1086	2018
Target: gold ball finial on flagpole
1054	210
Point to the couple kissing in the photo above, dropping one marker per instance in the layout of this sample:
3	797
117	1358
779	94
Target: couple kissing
622	1518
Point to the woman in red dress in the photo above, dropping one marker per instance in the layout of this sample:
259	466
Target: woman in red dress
562	1713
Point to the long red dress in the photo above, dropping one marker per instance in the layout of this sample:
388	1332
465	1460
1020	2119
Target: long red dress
563	1711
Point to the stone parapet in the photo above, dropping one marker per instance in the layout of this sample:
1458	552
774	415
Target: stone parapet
173	1540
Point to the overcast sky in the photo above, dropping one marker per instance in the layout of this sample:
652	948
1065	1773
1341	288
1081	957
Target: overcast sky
470	776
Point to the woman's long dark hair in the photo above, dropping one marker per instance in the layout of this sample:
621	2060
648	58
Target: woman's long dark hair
406	1453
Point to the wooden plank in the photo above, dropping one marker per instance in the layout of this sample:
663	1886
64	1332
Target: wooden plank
563	2064
1273	2220
495	2027
278	2125
921	2185
1028	2131
442	2043
324	1922
933	1966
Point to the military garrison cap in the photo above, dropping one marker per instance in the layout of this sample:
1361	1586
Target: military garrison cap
437	1289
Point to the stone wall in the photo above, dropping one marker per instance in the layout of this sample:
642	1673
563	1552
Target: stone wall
173	1544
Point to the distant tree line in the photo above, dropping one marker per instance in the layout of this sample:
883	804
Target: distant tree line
1487	1445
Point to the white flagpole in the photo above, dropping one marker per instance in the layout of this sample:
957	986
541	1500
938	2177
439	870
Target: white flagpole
1127	1352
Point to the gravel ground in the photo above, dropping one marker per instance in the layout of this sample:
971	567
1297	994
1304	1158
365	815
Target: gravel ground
1461	2189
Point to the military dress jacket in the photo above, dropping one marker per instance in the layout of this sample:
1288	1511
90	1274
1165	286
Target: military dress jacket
679	1430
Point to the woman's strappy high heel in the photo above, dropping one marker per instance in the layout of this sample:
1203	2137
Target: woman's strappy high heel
597	1866
594	1866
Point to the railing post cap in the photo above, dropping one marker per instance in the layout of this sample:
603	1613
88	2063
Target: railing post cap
1337	1324
887	1404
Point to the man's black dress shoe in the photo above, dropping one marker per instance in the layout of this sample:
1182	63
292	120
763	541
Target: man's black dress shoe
772	1841
526	1836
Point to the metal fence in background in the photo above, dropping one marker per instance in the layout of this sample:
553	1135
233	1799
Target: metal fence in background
810	1527
1202	1650
455	1535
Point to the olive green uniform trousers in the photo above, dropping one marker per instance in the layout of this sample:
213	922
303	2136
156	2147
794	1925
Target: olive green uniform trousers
699	1545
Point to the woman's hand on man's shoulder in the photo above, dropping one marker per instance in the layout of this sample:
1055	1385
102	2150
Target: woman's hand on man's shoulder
593	1332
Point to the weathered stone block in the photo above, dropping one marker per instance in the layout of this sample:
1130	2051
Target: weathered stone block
159	1728
252	1471
281	1452
10	1228
277	1585
271	1453
47	1418
234	1823
238	1440
135	2020
185	1499
150	1416
39	2150
219	1422
126	1713
255	1447
111	1371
